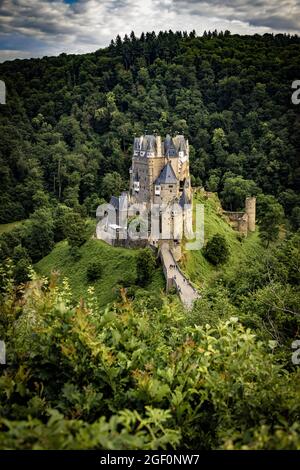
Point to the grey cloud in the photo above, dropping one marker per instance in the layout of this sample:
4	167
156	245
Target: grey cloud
276	22
275	14
88	24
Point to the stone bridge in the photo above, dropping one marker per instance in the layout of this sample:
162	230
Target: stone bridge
175	277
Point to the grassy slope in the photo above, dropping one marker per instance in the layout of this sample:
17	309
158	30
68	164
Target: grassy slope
198	269
118	264
10	226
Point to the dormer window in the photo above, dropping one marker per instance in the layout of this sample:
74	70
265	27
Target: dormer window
136	186
157	190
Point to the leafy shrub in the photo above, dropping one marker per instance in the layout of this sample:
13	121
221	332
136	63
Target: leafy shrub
132	378
94	271
74	229
128	280
74	252
216	250
22	271
145	266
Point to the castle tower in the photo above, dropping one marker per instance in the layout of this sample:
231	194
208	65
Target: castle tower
250	207
159	180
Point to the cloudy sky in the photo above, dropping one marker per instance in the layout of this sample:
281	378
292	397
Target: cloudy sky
34	28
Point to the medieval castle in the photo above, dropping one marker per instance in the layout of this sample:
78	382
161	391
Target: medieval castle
159	202
157	209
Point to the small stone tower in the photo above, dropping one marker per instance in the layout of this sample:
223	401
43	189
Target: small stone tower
250	208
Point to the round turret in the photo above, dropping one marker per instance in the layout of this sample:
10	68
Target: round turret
250	207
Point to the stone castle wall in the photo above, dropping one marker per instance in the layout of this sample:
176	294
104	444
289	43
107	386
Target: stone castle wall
243	222
250	208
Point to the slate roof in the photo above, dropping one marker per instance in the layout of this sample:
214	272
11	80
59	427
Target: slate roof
118	202
145	143
170	146
180	143
167	175
170	149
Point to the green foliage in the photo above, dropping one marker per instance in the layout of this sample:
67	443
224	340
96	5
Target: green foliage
39	234
74	229
235	191
119	268
270	216
125	430
295	218
264	285
194	263
8	227
216	250
213	183
112	184
138	379
145	266
22	271
94	271
143	373
67	129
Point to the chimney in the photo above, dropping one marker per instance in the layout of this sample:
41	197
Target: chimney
158	145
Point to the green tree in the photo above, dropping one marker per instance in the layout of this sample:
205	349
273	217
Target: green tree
39	238
21	271
112	184
145	266
74	229
235	191
94	270
216	250
22	264
270	217
41	199
295	218
213	183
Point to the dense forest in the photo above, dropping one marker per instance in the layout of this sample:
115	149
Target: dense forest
140	372
69	122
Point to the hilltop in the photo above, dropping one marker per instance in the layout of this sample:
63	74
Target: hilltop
196	266
69	121
119	264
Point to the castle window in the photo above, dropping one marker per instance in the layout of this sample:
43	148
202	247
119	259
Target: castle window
157	190
170	186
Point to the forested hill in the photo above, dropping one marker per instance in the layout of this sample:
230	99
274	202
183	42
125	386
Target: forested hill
69	121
